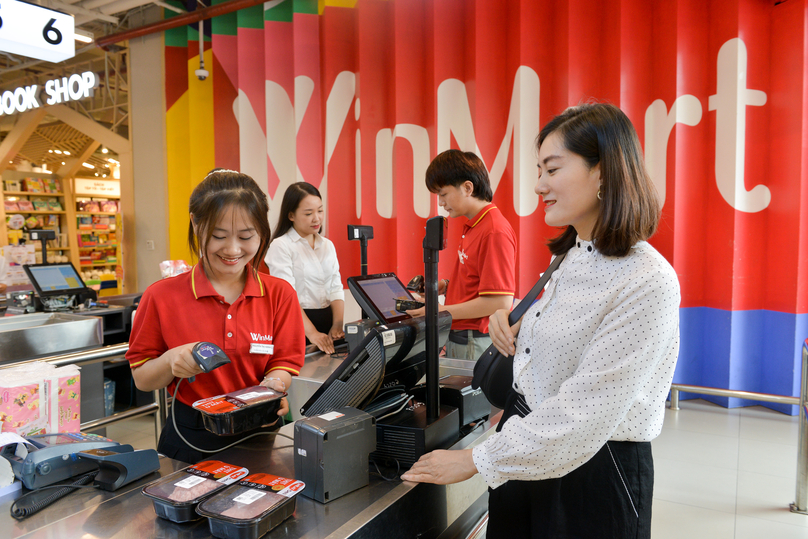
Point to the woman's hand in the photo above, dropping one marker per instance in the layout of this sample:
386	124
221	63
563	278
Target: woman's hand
336	332
442	467
279	380
502	335
181	362
322	341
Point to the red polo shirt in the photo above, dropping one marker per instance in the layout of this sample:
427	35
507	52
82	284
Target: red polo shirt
261	331
485	264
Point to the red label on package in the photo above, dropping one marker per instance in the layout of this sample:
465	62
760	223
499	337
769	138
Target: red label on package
218	471
281	485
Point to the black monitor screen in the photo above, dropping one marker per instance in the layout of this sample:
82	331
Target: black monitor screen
54	279
377	295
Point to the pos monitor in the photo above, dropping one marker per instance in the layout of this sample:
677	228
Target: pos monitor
376	295
55	279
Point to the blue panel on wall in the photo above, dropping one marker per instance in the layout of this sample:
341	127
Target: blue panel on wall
759	351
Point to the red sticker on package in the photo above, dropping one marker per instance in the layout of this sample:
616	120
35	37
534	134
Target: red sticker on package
280	485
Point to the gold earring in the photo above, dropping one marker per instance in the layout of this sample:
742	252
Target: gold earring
599	197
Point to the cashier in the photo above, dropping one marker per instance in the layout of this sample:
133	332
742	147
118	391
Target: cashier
253	317
300	255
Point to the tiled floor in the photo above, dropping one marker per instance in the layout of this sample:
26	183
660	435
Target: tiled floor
720	474
726	474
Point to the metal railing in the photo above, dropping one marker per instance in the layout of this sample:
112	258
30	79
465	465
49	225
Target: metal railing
800	504
97	355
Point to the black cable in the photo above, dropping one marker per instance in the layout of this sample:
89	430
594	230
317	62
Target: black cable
64	490
395	477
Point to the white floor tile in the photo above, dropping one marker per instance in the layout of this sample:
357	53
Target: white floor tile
767	458
693	484
697	448
678	521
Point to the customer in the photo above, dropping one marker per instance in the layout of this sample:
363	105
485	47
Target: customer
299	255
253	317
482	279
595	356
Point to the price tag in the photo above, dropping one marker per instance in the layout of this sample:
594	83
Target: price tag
35	31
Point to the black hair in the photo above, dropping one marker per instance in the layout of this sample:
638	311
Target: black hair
454	168
222	189
603	135
292	198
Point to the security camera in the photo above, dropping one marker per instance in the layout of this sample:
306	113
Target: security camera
201	74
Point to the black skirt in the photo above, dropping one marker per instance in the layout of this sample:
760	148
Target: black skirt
189	421
321	319
609	496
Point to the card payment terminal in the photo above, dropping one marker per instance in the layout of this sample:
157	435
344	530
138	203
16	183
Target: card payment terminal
51	458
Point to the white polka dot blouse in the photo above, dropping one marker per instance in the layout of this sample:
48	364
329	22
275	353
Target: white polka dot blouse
594	358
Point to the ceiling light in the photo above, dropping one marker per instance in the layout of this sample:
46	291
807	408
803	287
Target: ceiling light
88	165
50	151
82	35
66	152
63	162
57	151
96	173
103	175
104	150
113	161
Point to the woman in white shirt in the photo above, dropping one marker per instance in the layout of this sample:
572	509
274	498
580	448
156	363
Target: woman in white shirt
596	353
299	255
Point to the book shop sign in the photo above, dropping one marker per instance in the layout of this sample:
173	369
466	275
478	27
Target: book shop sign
73	88
97	188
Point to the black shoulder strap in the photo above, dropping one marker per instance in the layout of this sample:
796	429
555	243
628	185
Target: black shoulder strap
520	310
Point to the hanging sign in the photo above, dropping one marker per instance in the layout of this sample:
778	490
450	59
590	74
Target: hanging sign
97	188
76	86
35	31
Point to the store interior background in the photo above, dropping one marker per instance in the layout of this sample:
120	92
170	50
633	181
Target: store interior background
357	96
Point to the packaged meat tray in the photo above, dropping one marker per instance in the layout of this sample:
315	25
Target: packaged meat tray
240	411
252	507
176	496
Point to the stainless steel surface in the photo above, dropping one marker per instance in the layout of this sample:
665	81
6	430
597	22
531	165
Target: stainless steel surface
389	509
131	413
87	513
461	367
765	397
800	504
37	335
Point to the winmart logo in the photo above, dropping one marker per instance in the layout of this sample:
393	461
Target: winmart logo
257	337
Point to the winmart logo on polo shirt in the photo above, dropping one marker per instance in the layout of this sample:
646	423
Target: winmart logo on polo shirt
62	90
261	338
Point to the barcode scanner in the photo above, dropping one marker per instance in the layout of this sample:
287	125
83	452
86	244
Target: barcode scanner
208	356
416	284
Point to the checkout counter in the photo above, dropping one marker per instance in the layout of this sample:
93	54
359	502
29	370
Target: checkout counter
393	509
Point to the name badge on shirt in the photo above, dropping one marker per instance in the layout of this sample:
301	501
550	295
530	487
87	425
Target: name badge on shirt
261	348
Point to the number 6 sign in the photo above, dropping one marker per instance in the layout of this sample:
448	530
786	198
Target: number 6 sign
36	32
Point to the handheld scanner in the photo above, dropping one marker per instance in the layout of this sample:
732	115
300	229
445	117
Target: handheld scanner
208	356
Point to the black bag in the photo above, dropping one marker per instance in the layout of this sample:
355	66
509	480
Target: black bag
493	372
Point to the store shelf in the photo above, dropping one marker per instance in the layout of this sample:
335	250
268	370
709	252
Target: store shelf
98	247
59	220
98	264
38	212
32	194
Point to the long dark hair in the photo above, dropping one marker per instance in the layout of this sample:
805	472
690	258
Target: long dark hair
222	189
629	208
292	198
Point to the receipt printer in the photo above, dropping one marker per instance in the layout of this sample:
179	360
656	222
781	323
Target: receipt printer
331	452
